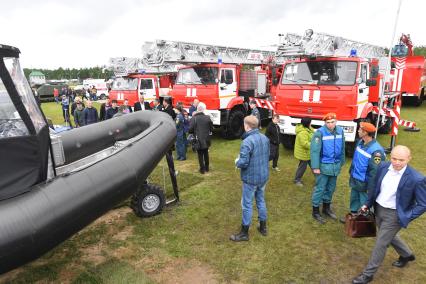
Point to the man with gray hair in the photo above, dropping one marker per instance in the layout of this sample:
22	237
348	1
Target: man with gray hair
398	198
201	126
254	164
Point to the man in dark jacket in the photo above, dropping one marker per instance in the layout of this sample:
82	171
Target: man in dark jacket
157	105
273	134
253	162
202	126
142	104
112	110
255	111
399	197
167	104
90	114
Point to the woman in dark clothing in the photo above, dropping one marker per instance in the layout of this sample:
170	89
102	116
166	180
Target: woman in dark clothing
273	134
202	126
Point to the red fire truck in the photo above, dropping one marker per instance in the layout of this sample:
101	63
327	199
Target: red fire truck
321	74
225	87
132	79
408	74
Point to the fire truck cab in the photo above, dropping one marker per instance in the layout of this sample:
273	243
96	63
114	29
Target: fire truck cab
312	87
225	89
131	86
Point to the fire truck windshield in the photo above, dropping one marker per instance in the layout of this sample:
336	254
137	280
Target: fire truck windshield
197	75
320	72
122	84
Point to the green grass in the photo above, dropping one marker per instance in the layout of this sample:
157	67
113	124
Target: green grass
195	232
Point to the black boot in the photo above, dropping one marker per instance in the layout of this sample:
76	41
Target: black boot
327	211
317	216
241	236
262	228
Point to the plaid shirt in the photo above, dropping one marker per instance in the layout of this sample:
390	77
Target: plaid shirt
254	158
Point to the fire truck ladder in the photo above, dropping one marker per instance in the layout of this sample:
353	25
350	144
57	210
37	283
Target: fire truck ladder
161	52
121	66
321	44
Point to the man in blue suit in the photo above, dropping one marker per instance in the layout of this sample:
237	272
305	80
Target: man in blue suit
399	197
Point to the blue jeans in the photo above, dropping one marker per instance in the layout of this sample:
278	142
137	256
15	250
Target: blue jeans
324	189
250	191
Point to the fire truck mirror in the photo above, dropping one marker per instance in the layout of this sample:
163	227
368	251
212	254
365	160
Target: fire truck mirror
275	81
374	71
371	82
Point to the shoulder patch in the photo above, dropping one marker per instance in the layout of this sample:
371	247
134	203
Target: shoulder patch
377	158
317	139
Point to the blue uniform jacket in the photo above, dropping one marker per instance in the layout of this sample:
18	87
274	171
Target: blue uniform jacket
364	169
330	169
410	195
254	158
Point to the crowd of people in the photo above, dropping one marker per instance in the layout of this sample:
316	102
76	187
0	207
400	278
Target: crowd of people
393	190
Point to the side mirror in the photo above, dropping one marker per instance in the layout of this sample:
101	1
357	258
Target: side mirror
275	81
374	72
371	82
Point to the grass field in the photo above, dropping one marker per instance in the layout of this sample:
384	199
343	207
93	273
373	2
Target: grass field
188	242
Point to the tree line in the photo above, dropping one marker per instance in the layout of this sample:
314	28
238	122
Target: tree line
66	73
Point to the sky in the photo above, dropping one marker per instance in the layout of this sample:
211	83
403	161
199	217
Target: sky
86	33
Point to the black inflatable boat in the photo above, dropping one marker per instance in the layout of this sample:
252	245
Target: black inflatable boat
51	186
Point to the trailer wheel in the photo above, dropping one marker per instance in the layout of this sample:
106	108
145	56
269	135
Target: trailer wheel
102	96
148	200
288	141
234	129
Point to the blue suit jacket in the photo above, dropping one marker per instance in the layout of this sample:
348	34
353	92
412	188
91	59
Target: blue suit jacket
410	195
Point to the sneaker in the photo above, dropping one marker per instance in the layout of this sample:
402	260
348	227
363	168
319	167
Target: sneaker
276	169
299	183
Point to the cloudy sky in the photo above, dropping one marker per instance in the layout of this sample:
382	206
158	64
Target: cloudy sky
85	33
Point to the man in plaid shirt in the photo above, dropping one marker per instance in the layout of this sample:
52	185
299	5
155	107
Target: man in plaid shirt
254	164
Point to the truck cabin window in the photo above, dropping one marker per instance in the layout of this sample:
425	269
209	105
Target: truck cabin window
197	75
125	84
146	84
320	72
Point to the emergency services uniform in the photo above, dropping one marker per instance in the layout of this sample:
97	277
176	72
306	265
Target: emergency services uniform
328	155
365	162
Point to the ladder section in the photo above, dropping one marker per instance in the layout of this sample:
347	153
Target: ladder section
162	51
321	44
121	66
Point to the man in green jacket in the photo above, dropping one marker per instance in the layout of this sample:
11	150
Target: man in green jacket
302	147
327	158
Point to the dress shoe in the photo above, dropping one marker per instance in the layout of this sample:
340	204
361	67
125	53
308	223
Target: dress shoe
402	261
362	279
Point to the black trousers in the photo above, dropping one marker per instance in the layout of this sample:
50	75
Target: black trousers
274	154
203	159
301	170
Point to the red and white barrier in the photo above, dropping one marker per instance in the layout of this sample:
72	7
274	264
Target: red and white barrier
261	103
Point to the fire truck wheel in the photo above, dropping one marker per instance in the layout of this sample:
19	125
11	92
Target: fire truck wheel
148	200
288	141
234	129
386	128
418	101
350	149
